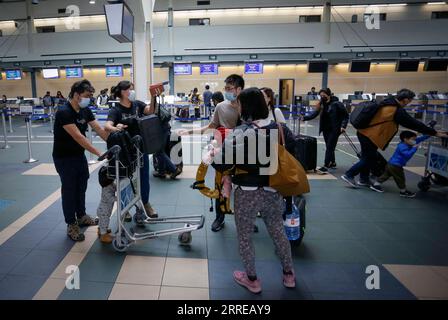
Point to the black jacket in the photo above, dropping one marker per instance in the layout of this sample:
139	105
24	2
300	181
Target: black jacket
403	118
333	117
238	144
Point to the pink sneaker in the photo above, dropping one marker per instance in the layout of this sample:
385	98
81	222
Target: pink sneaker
289	280
242	279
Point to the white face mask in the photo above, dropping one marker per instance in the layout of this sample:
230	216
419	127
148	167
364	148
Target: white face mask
131	95
84	103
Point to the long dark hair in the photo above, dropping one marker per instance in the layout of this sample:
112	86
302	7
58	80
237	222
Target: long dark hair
253	105
121	86
271	96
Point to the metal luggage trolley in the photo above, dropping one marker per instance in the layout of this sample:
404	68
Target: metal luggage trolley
129	197
436	168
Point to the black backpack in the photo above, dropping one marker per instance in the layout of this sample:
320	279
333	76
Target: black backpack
127	155
363	114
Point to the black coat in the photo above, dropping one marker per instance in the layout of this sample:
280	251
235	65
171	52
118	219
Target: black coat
334	116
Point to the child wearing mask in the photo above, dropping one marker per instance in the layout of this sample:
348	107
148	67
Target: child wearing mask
405	150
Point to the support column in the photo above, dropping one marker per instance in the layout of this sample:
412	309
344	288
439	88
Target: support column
325	80
171	78
30	26
33	83
170	25
327	20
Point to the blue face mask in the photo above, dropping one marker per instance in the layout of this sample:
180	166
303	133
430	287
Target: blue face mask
84	103
412	142
229	96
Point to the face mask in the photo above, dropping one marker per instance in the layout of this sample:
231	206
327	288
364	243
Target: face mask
131	95
230	96
412	142
84	103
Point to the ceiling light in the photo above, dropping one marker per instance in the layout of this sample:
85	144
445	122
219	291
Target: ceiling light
92	1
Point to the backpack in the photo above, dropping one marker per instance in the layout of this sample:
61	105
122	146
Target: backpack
127	155
363	114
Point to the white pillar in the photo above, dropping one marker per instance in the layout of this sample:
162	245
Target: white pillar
30	25
327	20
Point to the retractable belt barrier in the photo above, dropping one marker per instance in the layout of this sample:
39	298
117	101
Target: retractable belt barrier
28	137
5	135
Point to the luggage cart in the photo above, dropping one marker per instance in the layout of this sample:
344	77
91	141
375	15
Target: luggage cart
436	168
128	197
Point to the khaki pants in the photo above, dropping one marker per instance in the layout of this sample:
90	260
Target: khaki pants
397	173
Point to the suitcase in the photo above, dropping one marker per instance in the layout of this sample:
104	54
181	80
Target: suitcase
380	162
152	134
184	114
306	151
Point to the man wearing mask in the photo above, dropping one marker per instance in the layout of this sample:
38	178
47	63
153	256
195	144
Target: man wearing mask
312	92
47	100
333	122
70	142
227	115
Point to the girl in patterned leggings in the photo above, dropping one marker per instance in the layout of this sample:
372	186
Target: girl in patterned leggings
252	191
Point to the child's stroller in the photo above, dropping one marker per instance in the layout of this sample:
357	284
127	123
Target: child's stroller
123	165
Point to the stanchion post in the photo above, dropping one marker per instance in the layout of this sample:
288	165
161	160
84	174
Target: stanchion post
10	120
30	119
91	160
51	119
28	137
5	135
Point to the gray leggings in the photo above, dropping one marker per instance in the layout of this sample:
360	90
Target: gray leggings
105	207
270	205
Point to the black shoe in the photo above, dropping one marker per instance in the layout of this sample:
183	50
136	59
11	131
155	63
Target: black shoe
158	174
367	184
333	166
407	194
377	188
322	170
176	173
218	224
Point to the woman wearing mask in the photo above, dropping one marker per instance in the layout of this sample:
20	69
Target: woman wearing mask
70	142
333	122
252	192
275	114
123	116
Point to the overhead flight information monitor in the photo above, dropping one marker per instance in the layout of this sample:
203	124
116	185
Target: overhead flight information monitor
114	71
50	73
73	72
13	74
182	69
253	68
208	68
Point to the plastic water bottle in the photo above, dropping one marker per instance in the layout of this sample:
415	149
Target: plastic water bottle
292	224
209	152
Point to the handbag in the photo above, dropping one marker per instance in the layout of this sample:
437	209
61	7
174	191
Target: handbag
164	115
290	178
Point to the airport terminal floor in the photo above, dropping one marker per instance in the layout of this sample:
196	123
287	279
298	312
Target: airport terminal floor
347	230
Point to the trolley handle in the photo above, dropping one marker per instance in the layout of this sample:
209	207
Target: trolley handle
114	151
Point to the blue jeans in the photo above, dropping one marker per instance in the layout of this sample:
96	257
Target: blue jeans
74	174
144	179
367	161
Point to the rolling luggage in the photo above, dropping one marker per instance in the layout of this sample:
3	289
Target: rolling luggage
152	134
306	151
380	162
184	114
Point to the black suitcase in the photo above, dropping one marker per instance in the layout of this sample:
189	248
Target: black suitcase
185	115
306	151
152	134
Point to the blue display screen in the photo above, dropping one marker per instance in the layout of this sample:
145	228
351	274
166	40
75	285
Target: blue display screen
13	74
114	71
73	72
182	69
208	68
253	67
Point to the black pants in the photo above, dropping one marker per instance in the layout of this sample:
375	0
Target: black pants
331	140
74	174
368	159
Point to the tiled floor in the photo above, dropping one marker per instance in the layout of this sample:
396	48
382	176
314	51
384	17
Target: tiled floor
347	230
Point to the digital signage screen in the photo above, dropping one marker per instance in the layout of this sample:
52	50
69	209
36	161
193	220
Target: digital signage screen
73	72
114	71
13	74
208	68
50	73
253	68
182	69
